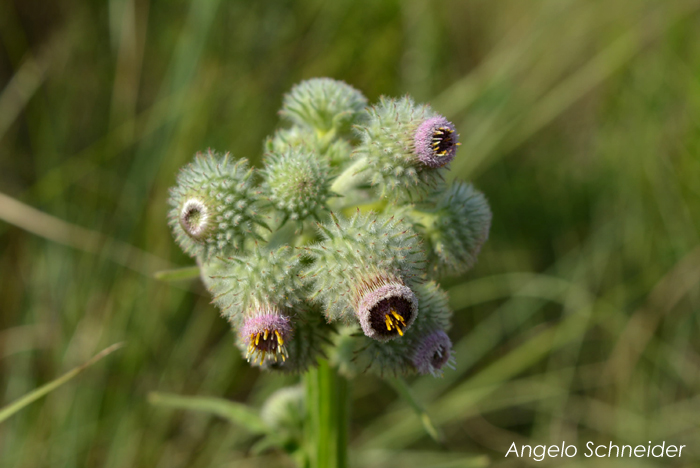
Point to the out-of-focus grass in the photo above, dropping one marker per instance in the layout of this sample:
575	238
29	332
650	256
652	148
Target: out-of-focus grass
580	121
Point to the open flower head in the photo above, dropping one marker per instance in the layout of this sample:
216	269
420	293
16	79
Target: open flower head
411	354
386	309
264	334
404	146
436	141
306	342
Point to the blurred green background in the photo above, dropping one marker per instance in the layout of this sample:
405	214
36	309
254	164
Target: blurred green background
580	121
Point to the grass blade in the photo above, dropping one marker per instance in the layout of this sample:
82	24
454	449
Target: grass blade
31	397
405	392
177	274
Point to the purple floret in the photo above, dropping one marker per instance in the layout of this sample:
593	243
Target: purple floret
432	352
387	311
265	334
436	141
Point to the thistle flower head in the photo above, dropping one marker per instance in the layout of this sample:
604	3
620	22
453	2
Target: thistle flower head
398	357
436	141
455	228
366	271
404	145
387	311
323	104
296	182
432	352
214	206
264	334
357	258
310	335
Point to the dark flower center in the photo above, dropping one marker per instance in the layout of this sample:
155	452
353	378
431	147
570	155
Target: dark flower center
266	342
390	316
443	141
440	357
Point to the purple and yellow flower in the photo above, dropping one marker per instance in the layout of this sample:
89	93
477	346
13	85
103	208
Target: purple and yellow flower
385	309
436	141
265	334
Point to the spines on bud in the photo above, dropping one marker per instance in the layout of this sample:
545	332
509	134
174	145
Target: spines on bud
404	146
214	206
455	228
296	182
365	266
323	104
241	286
335	151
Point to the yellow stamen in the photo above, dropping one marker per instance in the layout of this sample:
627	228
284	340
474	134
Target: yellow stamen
398	317
265	338
257	339
279	338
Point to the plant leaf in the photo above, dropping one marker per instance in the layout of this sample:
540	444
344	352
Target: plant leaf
31	397
236	413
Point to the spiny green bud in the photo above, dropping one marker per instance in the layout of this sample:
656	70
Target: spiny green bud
296	182
455	229
336	151
244	286
424	349
323	104
303	138
214	206
405	145
365	267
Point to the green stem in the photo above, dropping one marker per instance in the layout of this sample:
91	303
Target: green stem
350	177
326	432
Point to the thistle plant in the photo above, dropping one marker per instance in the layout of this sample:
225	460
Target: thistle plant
328	256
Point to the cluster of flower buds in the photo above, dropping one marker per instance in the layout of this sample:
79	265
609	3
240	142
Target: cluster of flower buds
300	268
